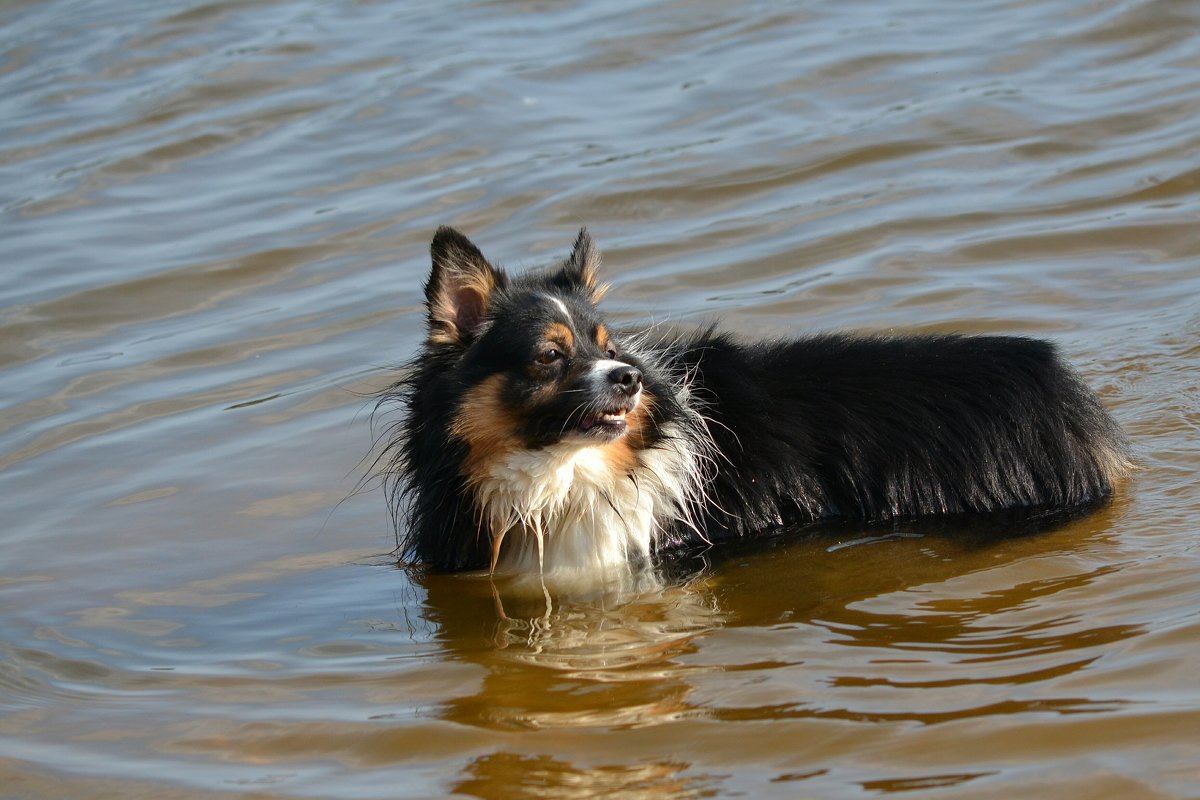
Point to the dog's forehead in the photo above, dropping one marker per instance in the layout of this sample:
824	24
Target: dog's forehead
572	310
559	306
576	313
540	308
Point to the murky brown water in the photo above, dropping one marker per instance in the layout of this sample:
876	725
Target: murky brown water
214	228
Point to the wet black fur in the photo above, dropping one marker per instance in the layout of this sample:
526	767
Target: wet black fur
826	427
879	428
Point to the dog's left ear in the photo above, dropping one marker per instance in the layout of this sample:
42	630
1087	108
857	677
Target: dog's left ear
581	269
459	290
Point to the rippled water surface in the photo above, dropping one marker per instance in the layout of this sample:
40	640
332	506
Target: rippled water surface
214	221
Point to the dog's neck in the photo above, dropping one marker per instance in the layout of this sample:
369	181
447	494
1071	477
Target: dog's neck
569	512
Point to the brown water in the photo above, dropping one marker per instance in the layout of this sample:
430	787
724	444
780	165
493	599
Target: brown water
213	234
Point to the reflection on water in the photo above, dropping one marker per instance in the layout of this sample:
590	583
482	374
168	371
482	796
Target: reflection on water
504	775
858	648
214	222
628	660
611	659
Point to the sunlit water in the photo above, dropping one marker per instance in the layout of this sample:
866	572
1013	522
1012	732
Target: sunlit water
213	235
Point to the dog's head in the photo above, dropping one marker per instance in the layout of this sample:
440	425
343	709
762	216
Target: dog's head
533	362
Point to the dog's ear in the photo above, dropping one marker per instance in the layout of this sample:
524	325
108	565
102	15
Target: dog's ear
582	267
459	289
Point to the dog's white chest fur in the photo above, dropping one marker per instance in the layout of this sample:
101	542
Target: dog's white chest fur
589	516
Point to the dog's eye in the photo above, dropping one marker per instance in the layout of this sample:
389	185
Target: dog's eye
612	354
549	356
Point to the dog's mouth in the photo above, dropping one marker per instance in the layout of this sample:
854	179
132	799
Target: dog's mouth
608	424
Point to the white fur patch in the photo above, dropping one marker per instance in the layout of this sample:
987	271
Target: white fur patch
561	306
591	519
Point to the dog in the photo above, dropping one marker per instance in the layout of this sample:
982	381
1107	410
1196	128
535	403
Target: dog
537	440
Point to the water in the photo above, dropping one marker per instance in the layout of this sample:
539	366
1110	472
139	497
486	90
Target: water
214	227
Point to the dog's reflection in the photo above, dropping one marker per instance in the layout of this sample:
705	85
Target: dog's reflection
638	624
622	624
615	656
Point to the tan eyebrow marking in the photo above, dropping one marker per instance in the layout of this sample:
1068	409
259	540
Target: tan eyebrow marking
559	334
600	334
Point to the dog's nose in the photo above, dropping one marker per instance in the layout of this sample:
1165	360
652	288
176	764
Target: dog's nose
626	379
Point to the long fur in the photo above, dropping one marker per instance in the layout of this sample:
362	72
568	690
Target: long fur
729	438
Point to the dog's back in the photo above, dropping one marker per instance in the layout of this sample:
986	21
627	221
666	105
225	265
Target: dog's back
878	428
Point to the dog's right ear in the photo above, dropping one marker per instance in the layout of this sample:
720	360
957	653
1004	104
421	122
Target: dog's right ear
579	271
460	288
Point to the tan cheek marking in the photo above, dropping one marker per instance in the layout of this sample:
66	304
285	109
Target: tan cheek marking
486	425
623	454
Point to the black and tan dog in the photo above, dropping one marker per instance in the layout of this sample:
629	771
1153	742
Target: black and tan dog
538	440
